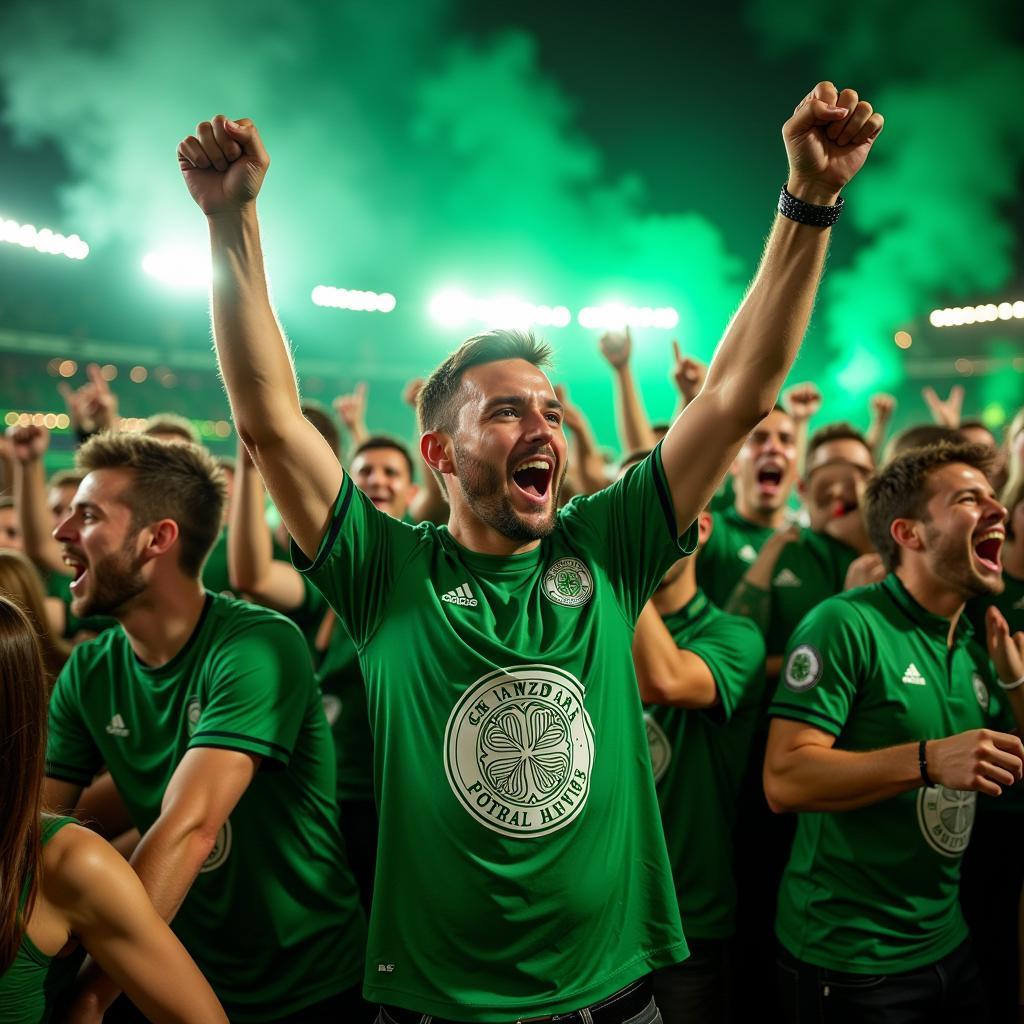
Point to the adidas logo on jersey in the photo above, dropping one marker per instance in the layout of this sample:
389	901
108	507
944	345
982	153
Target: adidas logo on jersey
461	595
116	726
787	578
912	677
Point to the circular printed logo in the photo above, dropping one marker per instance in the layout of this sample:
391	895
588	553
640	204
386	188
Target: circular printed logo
192	712
803	669
519	750
332	708
221	849
658	745
980	690
569	582
946	817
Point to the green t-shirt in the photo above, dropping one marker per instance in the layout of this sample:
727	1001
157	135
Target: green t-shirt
344	696
215	569
809	570
698	759
273	917
875	890
32	986
729	552
522	867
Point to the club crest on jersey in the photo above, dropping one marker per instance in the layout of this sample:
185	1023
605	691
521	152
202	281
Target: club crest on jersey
519	750
192	712
803	668
568	582
980	690
946	817
658	745
221	849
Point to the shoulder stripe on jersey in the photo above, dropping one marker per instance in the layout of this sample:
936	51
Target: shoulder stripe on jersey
801	711
667	508
240	736
327	545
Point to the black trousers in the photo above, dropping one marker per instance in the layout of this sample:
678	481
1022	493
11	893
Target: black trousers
949	991
698	990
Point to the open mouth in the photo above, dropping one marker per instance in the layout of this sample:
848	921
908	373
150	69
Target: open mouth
78	567
769	478
843	508
533	479
987	549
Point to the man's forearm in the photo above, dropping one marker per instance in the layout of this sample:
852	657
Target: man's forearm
634	426
34	516
665	674
250	546
818	778
253	356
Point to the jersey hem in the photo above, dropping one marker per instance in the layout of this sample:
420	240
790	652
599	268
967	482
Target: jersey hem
646	962
243	744
896	965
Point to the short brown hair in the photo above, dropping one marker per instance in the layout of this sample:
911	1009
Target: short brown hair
900	490
437	407
384	441
840	431
920	435
65	478
172	423
176	481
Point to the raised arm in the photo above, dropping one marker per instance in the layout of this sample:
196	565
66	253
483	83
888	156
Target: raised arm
635	433
585	453
252	568
882	407
224	165
429	504
827	141
28	446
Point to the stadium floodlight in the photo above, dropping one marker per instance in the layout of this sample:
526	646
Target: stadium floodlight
614	316
987	313
179	268
44	240
454	308
353	299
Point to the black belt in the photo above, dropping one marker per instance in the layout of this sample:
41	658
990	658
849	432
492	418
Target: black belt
619	1006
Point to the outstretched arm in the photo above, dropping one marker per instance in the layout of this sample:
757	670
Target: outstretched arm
107	908
635	433
29	445
224	165
827	140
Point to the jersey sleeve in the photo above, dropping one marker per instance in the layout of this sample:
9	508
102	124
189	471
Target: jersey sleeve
733	650
71	752
823	662
630	529
359	559
260	682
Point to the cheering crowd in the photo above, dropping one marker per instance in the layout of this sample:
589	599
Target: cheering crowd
498	727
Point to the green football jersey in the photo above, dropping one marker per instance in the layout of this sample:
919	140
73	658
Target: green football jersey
273	918
729	552
522	867
310	614
344	696
809	570
875	890
215	569
698	759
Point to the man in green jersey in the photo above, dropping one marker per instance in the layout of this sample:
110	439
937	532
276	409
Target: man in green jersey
510	761
882	737
205	712
382	469
699	671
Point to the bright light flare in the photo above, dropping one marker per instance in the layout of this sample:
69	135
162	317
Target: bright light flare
454	308
989	312
44	240
353	299
179	268
613	316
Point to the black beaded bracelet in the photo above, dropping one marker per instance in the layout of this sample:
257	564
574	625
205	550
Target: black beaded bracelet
922	763
809	213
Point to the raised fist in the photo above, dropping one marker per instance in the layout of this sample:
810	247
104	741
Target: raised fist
687	374
351	409
616	347
882	406
223	164
802	401
28	444
828	138
93	406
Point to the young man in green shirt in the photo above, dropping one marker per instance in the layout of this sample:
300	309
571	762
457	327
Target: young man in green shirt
205	712
510	760
887	725
700	676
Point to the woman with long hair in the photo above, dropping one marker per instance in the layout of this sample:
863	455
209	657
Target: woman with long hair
20	581
63	890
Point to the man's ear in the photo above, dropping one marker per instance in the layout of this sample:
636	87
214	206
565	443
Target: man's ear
434	447
908	533
160	537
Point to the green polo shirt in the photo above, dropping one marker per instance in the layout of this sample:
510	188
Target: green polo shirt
698	758
729	552
809	570
875	890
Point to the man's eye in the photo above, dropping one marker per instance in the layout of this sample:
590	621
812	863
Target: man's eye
554	417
